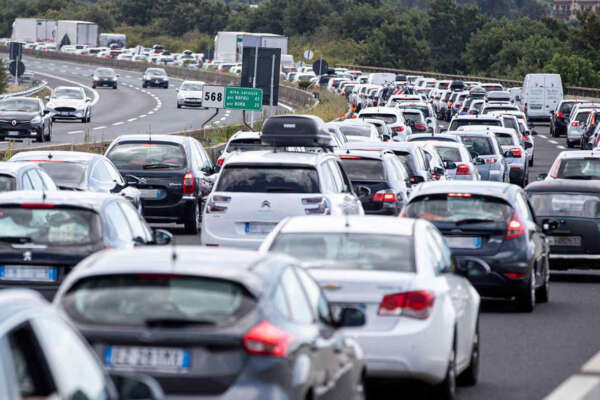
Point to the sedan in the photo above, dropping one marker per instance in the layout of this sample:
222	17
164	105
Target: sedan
403	275
493	221
214	323
25	118
70	103
24	176
484	145
189	94
155	77
104	77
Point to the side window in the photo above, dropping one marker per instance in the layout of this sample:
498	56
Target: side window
299	307
337	176
524	209
36	181
77	373
118	222
138	227
114	173
400	170
27	185
444	250
100	172
280	302
48	182
205	157
435	253
327	180
423	161
317	300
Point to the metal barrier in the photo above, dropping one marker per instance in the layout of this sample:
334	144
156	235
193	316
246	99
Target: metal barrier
28	92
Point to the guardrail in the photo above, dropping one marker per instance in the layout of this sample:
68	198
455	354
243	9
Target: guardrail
583	386
572	91
28	92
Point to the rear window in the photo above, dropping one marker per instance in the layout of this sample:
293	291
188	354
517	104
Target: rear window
348	250
430	84
348	130
416	117
66	174
581	168
387	118
510	123
443	85
246	145
505	139
456	207
424	110
364	169
148	155
584	205
566	107
51	226
582	116
265	179
154	300
449	153
457	123
480	145
7	183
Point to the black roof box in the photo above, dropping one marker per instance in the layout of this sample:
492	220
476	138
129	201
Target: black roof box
295	130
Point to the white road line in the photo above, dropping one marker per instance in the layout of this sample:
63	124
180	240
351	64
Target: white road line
224	118
286	106
143	116
74	132
543	136
150	112
552	141
118	123
216	122
560	147
132	119
98	128
94	92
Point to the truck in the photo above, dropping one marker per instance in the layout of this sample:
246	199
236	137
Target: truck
229	45
77	32
33	30
108	39
540	95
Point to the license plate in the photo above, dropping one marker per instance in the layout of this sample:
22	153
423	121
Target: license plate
460	242
259	228
147	358
156	81
32	273
13	133
536	106
564	240
151	193
65	114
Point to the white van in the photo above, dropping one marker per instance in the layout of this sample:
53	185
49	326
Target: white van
381	78
541	94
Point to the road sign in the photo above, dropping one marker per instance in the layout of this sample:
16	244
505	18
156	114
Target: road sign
213	96
308	54
15	50
16	68
320	67
267	72
237	98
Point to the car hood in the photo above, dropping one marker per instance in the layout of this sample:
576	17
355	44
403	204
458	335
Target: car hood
17	115
66	103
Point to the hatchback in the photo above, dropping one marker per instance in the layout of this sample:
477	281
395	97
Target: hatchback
457	160
24	176
485	145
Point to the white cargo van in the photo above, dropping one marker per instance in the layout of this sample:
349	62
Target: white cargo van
381	78
541	94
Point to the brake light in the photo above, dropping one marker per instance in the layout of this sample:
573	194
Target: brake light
459	195
398	129
416	304
560	115
189	183
420	127
516	152
349	157
527	138
554	170
515	228
37	205
515	275
384	197
220	162
490	161
470	112
449	104
575	123
266	339
463	169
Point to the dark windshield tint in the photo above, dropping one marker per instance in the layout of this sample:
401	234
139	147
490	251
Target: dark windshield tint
387	118
138	299
348	251
505	139
480	145
582	116
457	123
364	169
407	161
146	155
415	117
66	175
455	207
586	168
266	179
449	153
7	183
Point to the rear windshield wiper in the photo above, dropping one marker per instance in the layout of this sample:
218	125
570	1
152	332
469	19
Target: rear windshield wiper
15	239
176	322
473	221
160	165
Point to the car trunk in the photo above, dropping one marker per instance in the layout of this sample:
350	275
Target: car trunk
474	239
573	236
158	187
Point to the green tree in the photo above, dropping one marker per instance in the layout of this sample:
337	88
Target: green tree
2	77
574	70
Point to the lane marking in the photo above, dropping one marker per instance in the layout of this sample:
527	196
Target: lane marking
543	136
98	128
96	98
143	116
150	112
118	123
132	119
552	141
286	106
560	147
74	132
224	118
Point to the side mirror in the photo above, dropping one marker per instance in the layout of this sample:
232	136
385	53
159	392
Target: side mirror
479	161
132	386
46	112
87	99
549	225
439	171
472	267
161	237
417	179
528	145
508	154
534	133
449	164
350	317
386	138
363	191
541	177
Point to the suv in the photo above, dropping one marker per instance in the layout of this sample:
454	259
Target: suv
257	189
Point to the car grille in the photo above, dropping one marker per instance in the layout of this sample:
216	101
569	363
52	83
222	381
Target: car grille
193	100
65	109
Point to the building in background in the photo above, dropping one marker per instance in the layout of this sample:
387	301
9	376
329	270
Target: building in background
568	9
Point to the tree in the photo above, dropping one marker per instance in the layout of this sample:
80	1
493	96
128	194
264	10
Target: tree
574	70
2	77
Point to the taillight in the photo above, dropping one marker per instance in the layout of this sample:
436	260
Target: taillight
470	112
515	228
515	275
490	161
516	152
420	127
212	207
268	340
220	162
527	138
449	104
384	197
575	123
560	115
398	129
189	183
463	169
416	304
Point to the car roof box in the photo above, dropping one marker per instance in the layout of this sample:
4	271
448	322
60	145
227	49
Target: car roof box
295	130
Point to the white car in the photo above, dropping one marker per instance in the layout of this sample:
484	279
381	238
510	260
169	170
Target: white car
393	117
357	130
241	141
421	312
71	103
189	94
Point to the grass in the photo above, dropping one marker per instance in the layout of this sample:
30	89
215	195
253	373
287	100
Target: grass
330	106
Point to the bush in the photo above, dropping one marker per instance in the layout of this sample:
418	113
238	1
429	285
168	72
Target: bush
304	84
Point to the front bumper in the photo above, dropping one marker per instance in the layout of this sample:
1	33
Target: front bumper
155	83
109	83
179	212
71	115
189	103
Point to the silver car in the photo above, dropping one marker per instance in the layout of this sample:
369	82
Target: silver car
457	160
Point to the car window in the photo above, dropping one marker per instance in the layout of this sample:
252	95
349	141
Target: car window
136	222
77	373
434	254
448	153
505	139
36	180
100	172
301	311
27	185
316	299
337	175
280	301
480	145
363	169
148	155
445	254
8	183
119	227
115	175
524	210
268	179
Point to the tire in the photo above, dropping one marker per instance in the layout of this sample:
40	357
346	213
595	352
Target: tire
84	120
193	227
115	86
447	389
470	376
167	86
93	86
542	294
526	299
569	144
178	105
49	137
531	161
144	85
41	137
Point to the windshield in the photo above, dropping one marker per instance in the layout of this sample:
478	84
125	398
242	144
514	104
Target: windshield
349	250
582	116
146	155
267	179
246	145
192	87
66	175
412	116
453	207
579	168
23	105
457	123
157	72
448	153
349	130
142	298
7	183
52	226
75	94
584	205
104	72
363	169
505	139
387	118
480	145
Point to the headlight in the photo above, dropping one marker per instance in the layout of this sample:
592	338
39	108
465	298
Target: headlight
36	120
166	79
114	78
96	78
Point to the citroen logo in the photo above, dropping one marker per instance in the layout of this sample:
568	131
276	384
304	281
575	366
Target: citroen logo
266	204
27	256
13	123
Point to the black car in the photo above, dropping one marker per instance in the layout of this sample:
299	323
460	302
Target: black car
215	323
570	210
171	173
104	77
73	170
379	179
45	234
494	222
24	176
559	119
25	118
155	77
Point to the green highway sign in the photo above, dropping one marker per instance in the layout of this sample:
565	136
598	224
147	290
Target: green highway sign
238	98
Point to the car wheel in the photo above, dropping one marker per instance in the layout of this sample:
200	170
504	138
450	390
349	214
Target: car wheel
543	292
41	136
193	227
569	144
93	86
178	105
526	299
49	137
531	161
447	389
470	376
115	86
144	85
167	86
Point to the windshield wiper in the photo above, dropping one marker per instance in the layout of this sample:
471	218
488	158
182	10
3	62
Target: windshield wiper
584	177
473	221
176	322
15	239
160	165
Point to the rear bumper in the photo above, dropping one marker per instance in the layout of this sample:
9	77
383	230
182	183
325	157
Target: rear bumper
560	127
179	212
209	238
47	291
569	261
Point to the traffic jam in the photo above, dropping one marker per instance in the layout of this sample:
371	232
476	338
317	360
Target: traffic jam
331	256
